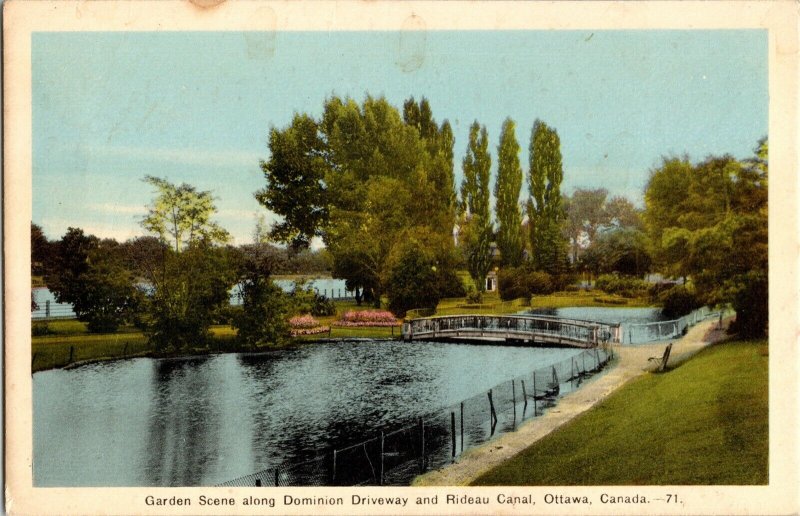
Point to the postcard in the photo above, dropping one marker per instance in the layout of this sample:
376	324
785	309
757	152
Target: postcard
400	257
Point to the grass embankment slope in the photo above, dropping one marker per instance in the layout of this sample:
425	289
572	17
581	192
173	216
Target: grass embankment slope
704	422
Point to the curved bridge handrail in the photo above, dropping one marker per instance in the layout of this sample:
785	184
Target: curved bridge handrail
584	333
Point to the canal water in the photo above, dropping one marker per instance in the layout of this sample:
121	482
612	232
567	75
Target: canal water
602	314
206	420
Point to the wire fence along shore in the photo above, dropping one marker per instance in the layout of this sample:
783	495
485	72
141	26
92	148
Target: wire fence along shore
394	456
642	333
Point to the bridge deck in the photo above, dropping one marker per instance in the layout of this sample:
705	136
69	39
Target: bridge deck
517	328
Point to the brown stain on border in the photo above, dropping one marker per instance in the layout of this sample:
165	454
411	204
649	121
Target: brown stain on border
206	5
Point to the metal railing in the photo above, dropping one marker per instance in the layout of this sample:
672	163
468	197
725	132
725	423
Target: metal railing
527	327
394	456
641	333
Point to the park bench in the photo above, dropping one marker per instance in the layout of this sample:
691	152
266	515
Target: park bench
661	362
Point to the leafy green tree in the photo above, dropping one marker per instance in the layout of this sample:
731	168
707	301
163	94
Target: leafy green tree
41	250
545	210
190	283
708	222
265	307
181	214
365	171
621	250
585	214
421	271
90	274
185	294
296	175
506	192
476	232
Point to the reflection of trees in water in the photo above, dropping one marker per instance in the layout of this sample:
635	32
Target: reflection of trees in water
183	422
349	392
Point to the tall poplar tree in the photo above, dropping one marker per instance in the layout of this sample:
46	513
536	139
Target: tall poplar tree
476	231
545	210
506	192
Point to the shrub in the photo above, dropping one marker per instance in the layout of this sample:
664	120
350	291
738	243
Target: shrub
474	297
323	306
40	328
262	317
305	299
450	285
225	314
516	282
678	301
419	278
540	282
625	286
751	305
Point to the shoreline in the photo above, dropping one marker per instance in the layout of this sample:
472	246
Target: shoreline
630	362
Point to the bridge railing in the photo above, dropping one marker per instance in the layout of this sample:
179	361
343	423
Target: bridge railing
580	331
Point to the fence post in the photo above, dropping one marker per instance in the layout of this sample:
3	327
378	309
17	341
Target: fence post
258	482
583	357
524	394
492	413
422	449
277	473
462	426
47	309
71	354
380	481
453	431
572	370
333	473
34	358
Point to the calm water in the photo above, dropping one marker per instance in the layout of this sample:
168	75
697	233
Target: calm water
203	421
609	315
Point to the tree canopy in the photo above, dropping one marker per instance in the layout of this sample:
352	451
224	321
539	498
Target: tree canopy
181	214
708	222
545	210
506	192
360	177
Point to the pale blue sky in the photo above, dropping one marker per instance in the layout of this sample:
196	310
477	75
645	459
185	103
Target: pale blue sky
109	108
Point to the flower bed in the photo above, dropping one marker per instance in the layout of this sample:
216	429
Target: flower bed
367	318
306	325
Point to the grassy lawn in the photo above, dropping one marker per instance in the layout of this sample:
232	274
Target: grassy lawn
587	299
68	341
705	422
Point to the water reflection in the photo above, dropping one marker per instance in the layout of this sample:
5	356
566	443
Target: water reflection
205	420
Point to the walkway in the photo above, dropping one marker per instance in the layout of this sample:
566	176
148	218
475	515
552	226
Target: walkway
632	362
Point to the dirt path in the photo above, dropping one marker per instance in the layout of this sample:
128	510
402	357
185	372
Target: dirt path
632	361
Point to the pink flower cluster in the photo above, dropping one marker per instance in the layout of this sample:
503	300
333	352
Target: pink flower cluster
306	325
303	321
367	318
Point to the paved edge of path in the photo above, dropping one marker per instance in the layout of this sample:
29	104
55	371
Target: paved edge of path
630	362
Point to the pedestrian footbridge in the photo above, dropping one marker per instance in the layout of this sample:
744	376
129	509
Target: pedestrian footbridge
531	329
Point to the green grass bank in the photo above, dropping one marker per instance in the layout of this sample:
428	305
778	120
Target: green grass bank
703	423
